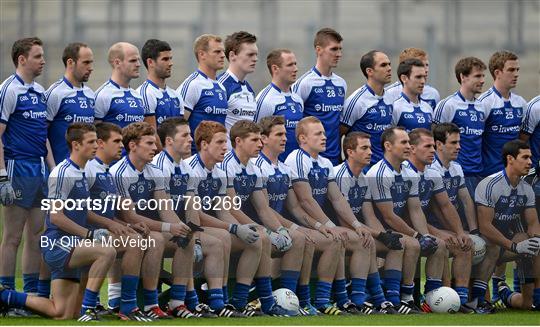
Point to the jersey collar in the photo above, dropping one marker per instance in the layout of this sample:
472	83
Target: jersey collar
499	93
202	164
73	163
346	163
153	84
508	180
265	158
386	162
22	81
236	79
116	85
131	165
412	166
458	93
307	154
168	156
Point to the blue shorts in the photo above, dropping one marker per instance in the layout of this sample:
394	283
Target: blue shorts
57	258
29	180
471	181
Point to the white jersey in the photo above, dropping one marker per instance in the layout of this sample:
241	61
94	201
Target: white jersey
355	189
318	172
139	186
160	103
453	177
429	182
176	178
240	99
102	186
495	191
207	182
245	179
387	184
531	127
118	105
370	113
410	115
429	95
469	116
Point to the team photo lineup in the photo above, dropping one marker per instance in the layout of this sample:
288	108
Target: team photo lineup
311	198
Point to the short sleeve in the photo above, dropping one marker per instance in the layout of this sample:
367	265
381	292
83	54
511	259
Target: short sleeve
60	184
443	112
480	194
531	197
413	191
532	116
158	177
353	110
149	100
298	164
380	186
265	107
436	178
190	93
53	103
102	105
8	102
302	88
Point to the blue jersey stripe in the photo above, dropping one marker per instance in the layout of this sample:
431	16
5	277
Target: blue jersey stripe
3	93
350	108
439	110
52	88
261	100
186	84
296	85
101	88
60	180
379	179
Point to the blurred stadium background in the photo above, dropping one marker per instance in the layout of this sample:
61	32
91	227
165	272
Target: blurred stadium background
446	29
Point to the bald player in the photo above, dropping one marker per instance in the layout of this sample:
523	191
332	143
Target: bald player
116	102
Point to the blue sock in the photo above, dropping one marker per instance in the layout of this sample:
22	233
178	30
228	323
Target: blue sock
89	300
289	279
178	292
192	300
431	284
264	290
322	294
494	281
536	297
392	281
407	292
8	282
304	295
373	285
517	284
150	297
240	295
30	283
479	290
463	293
340	292
13	298
114	303
44	288
128	293
358	293
215	299
225	291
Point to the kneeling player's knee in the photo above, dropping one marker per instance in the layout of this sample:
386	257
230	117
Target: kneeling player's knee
12	240
157	240
298	239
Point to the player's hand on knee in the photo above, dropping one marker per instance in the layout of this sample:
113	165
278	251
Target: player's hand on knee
141	228
390	240
99	235
120	230
247	233
306	233
197	251
7	194
365	236
529	246
278	240
465	242
283	231
180	229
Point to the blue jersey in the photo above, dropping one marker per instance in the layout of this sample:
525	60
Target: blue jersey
469	116
240	99
429	94
369	113
503	122
160	103
387	184
318	172
118	105
355	189
68	181
276	179
323	98
495	191
24	112
205	99
102	186
66	105
273	101
139	186
410	115
176	179
531	127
